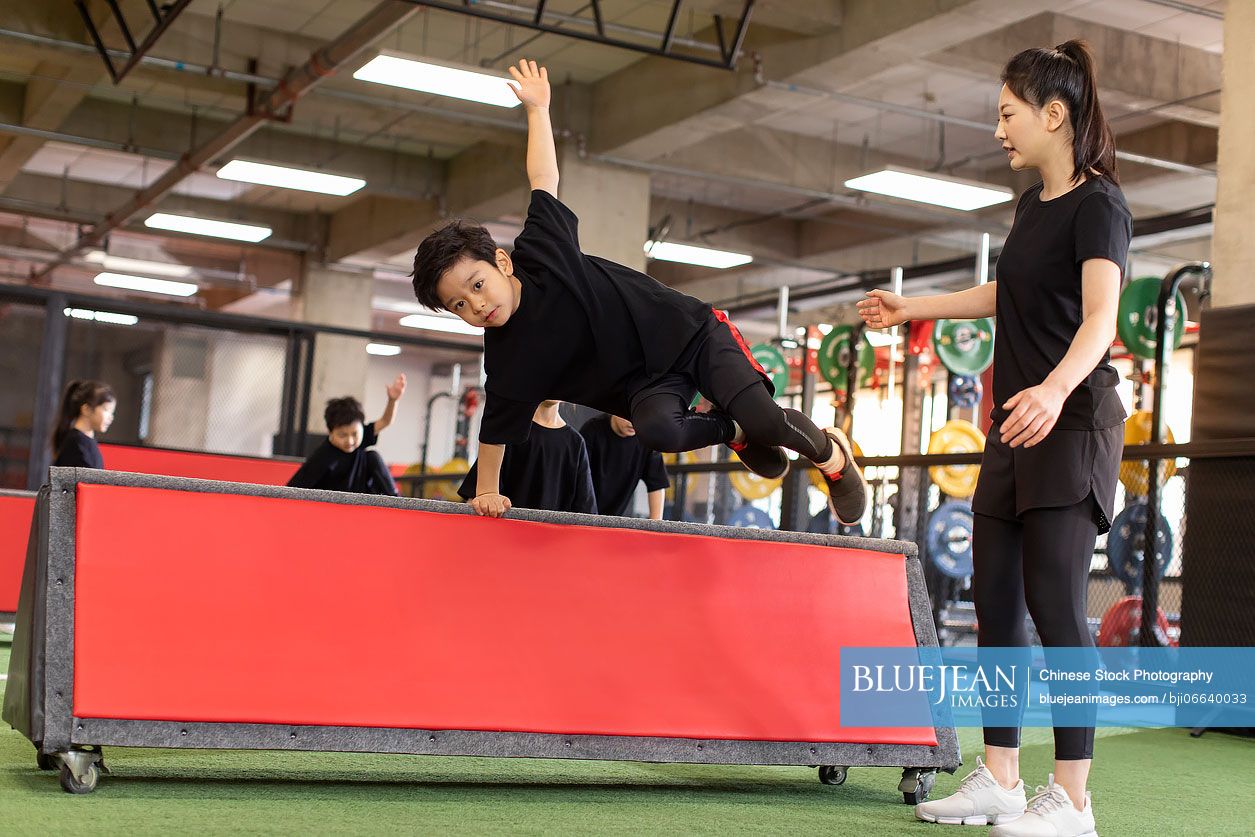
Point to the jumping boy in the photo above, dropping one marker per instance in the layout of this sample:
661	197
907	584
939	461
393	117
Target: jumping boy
343	462
561	324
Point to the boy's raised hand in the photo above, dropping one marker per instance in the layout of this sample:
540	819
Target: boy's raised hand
397	388
533	84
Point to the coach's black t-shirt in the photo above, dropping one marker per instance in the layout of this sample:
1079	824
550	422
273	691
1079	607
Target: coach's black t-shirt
331	469
548	471
618	463
78	450
1039	299
587	330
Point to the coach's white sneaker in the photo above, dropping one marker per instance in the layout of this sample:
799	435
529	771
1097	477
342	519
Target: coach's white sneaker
980	800
1051	814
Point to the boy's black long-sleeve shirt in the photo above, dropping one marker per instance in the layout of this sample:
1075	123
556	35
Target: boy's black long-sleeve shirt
587	330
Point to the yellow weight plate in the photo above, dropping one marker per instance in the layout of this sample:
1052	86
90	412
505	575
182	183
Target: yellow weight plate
448	489
956	436
751	486
817	479
1134	474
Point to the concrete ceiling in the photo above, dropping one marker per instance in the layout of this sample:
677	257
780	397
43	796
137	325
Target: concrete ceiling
735	161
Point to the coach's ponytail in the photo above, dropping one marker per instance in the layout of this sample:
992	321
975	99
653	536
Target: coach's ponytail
1066	72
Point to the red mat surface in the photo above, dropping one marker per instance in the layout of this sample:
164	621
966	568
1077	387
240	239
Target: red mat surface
15	524
297	612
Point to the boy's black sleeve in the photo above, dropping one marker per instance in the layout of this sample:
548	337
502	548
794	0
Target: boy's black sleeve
549	244
585	501
369	437
467	489
655	475
506	421
312	469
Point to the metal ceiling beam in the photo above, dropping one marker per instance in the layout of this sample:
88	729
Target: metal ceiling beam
273	105
162	18
540	19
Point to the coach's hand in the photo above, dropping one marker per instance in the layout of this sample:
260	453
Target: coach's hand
1034	412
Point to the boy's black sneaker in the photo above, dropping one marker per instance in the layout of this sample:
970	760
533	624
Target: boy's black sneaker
847	490
768	461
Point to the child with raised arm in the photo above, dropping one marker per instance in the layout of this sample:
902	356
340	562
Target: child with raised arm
565	325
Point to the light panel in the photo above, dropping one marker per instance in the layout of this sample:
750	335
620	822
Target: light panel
285	177
668	251
440	79
436	322
930	188
146	284
205	226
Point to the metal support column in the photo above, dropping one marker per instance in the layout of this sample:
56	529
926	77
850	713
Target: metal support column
47	390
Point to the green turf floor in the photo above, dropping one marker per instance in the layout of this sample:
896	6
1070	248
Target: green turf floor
1158	782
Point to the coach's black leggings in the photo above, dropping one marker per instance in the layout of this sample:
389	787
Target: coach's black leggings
1039	565
664	423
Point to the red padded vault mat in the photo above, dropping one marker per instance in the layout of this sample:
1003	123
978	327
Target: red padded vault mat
200	466
15	526
227	608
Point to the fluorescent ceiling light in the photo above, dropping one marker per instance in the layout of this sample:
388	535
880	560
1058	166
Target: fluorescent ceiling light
204	226
437	322
290	178
146	284
689	254
470	85
935	189
382	349
102	316
120	263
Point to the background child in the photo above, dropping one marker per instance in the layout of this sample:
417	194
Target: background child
619	461
548	471
343	462
86	409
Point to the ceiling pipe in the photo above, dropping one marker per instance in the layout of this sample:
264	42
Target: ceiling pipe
922	113
321	64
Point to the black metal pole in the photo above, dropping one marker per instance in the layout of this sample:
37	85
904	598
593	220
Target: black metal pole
1165	322
51	371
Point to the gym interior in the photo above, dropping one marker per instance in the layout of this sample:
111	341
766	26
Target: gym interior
213	207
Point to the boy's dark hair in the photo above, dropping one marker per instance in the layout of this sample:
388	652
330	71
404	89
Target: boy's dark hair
1066	72
342	411
442	250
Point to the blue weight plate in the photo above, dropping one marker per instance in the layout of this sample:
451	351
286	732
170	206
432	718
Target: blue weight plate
1126	546
749	517
965	391
950	539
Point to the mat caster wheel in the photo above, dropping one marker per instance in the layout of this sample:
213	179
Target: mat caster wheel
85	783
81	769
917	784
831	774
46	761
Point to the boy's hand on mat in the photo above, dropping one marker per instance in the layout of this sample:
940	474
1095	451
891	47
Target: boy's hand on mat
533	84
882	309
1034	412
491	505
397	388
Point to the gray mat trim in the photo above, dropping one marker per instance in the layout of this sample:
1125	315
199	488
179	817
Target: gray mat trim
500	744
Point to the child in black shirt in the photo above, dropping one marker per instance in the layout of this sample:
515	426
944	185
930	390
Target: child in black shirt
619	461
344	462
549	471
560	324
86	409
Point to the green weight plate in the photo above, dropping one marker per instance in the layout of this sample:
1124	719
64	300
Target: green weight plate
1139	306
834	355
772	360
965	347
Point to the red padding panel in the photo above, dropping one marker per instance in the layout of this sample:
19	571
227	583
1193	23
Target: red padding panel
311	613
15	525
200	466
